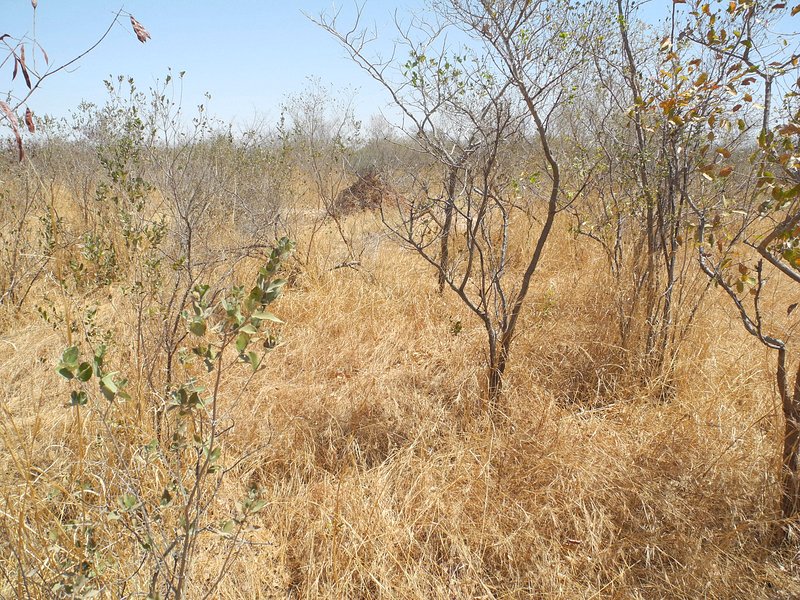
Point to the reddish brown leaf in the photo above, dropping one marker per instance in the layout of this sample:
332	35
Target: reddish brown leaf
706	168
790	308
46	60
735	68
139	30
16	64
725	172
789	129
23	67
12	119
796	10
29	120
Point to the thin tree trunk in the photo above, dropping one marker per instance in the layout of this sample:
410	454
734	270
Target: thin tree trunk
790	498
452	180
497	368
652	204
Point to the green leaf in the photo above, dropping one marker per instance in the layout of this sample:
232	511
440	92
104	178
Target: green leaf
256	506
214	455
253	299
198	327
192	385
254	360
194	400
108	387
127	501
84	372
200	291
108	382
242	340
263	315
78	398
248	329
227	527
66	372
276	285
98	359
70	356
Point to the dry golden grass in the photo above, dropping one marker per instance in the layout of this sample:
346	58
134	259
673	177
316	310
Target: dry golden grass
385	480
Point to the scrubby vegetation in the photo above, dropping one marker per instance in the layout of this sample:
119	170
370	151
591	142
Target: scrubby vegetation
537	340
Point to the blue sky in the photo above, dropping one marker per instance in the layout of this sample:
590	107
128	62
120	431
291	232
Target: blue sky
249	55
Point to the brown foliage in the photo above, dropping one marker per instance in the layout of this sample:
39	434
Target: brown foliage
141	33
368	192
29	120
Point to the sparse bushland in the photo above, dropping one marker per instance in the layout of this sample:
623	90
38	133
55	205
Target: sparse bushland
190	409
381	477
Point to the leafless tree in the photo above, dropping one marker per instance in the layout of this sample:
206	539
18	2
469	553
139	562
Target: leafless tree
466	109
